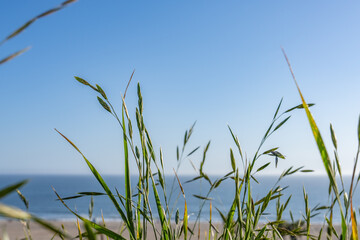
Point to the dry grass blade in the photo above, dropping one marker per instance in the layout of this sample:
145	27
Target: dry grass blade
72	144
181	188
78	229
127	86
23	199
8	58
353	223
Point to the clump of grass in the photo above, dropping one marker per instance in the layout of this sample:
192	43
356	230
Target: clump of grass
245	217
339	195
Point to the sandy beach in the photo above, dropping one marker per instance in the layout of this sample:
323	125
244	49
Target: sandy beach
16	230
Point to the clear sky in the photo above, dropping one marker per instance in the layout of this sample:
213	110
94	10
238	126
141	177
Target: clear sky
214	62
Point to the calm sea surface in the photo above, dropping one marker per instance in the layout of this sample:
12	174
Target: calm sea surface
43	203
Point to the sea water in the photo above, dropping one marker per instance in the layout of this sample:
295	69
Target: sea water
43	201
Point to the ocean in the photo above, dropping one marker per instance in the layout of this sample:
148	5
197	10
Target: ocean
43	201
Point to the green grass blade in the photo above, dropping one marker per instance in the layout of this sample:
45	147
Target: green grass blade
204	157
300	106
229	219
260	234
236	140
83	81
321	147
333	136
101	91
127	175
5	191
90	233
105	187
278	108
233	163
98	227
104	104
315	130
281	123
160	209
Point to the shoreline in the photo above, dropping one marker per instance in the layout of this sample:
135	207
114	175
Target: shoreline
119	220
14	229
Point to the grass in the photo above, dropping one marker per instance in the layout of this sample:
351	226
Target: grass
242	220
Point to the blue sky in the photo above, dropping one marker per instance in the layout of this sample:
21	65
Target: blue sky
214	62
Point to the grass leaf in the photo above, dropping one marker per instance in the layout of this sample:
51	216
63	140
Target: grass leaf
104	104
202	197
104	186
127	176
321	147
9	189
278	108
263	167
99	228
300	106
193	151
101	91
233	164
90	233
333	137
281	123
